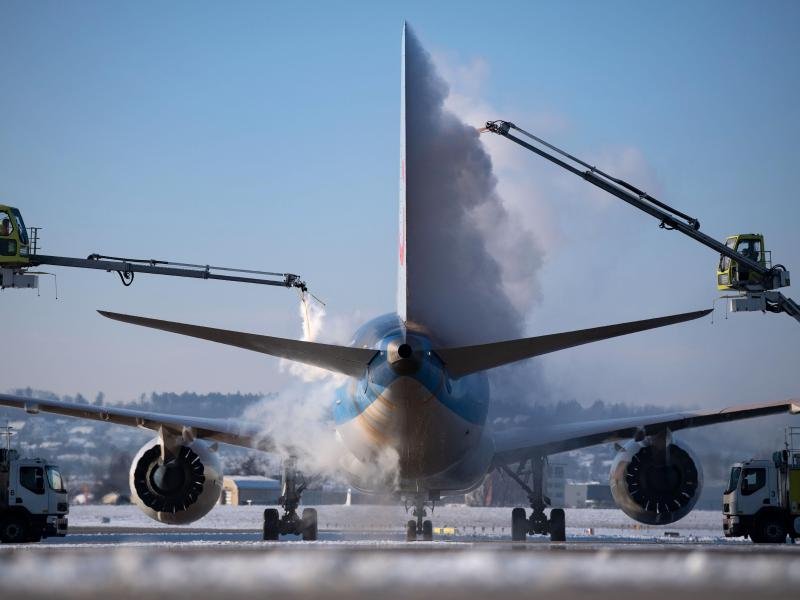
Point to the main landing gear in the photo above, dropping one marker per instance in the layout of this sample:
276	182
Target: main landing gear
292	485
419	526
537	523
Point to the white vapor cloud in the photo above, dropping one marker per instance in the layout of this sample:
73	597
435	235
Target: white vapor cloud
472	265
299	422
559	211
472	268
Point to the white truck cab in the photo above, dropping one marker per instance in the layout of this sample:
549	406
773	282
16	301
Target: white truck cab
33	500
762	500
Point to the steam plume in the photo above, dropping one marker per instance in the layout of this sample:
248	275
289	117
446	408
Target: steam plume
472	270
299	422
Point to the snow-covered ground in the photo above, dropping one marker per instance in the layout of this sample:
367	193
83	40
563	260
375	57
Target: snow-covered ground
361	554
469	521
396	570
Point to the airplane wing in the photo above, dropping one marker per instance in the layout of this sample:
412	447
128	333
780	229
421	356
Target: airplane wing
229	431
513	445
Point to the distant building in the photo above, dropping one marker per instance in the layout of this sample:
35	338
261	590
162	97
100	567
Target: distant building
246	489
588	495
498	489
251	489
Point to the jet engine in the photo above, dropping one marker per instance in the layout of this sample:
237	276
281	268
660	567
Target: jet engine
179	489
655	482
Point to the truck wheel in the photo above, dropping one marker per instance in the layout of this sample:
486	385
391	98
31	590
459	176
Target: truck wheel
13	530
34	536
770	529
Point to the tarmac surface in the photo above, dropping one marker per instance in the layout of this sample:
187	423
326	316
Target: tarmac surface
127	558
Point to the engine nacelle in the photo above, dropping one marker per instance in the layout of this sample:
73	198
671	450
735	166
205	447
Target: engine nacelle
180	490
655	489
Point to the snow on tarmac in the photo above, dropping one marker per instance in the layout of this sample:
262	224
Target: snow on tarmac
467	520
424	570
122	554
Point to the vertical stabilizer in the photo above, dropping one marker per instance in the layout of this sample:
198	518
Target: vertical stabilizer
402	286
449	282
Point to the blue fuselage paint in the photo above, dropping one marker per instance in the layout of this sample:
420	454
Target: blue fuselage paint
432	425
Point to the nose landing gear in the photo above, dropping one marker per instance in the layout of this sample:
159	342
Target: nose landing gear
538	523
419	526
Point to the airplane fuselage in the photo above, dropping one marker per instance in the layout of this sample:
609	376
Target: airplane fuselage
407	413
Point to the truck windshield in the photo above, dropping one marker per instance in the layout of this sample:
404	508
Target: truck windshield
734	482
54	479
753	480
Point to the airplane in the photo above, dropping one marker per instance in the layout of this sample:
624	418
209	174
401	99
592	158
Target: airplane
423	402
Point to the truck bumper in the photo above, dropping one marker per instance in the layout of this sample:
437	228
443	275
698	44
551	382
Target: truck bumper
56	526
732	526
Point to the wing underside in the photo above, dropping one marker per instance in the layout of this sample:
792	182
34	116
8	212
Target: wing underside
517	444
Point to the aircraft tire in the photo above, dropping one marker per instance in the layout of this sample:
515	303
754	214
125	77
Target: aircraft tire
271	524
427	531
309	525
411	531
558	526
519	525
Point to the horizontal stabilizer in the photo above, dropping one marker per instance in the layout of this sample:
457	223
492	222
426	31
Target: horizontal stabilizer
339	359
471	359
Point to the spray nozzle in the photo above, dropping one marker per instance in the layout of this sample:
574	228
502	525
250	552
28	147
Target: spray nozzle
501	127
292	280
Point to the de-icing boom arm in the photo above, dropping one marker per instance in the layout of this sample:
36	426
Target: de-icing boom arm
770	278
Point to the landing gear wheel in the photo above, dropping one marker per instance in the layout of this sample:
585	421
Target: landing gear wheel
519	525
770	529
427	531
411	531
558	527
309	524
13	530
271	524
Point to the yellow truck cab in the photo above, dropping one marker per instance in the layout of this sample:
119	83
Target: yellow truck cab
732	276
14	242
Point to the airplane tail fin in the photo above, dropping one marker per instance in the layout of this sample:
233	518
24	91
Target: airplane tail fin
338	359
471	359
402	273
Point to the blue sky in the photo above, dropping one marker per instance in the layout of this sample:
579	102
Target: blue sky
265	135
